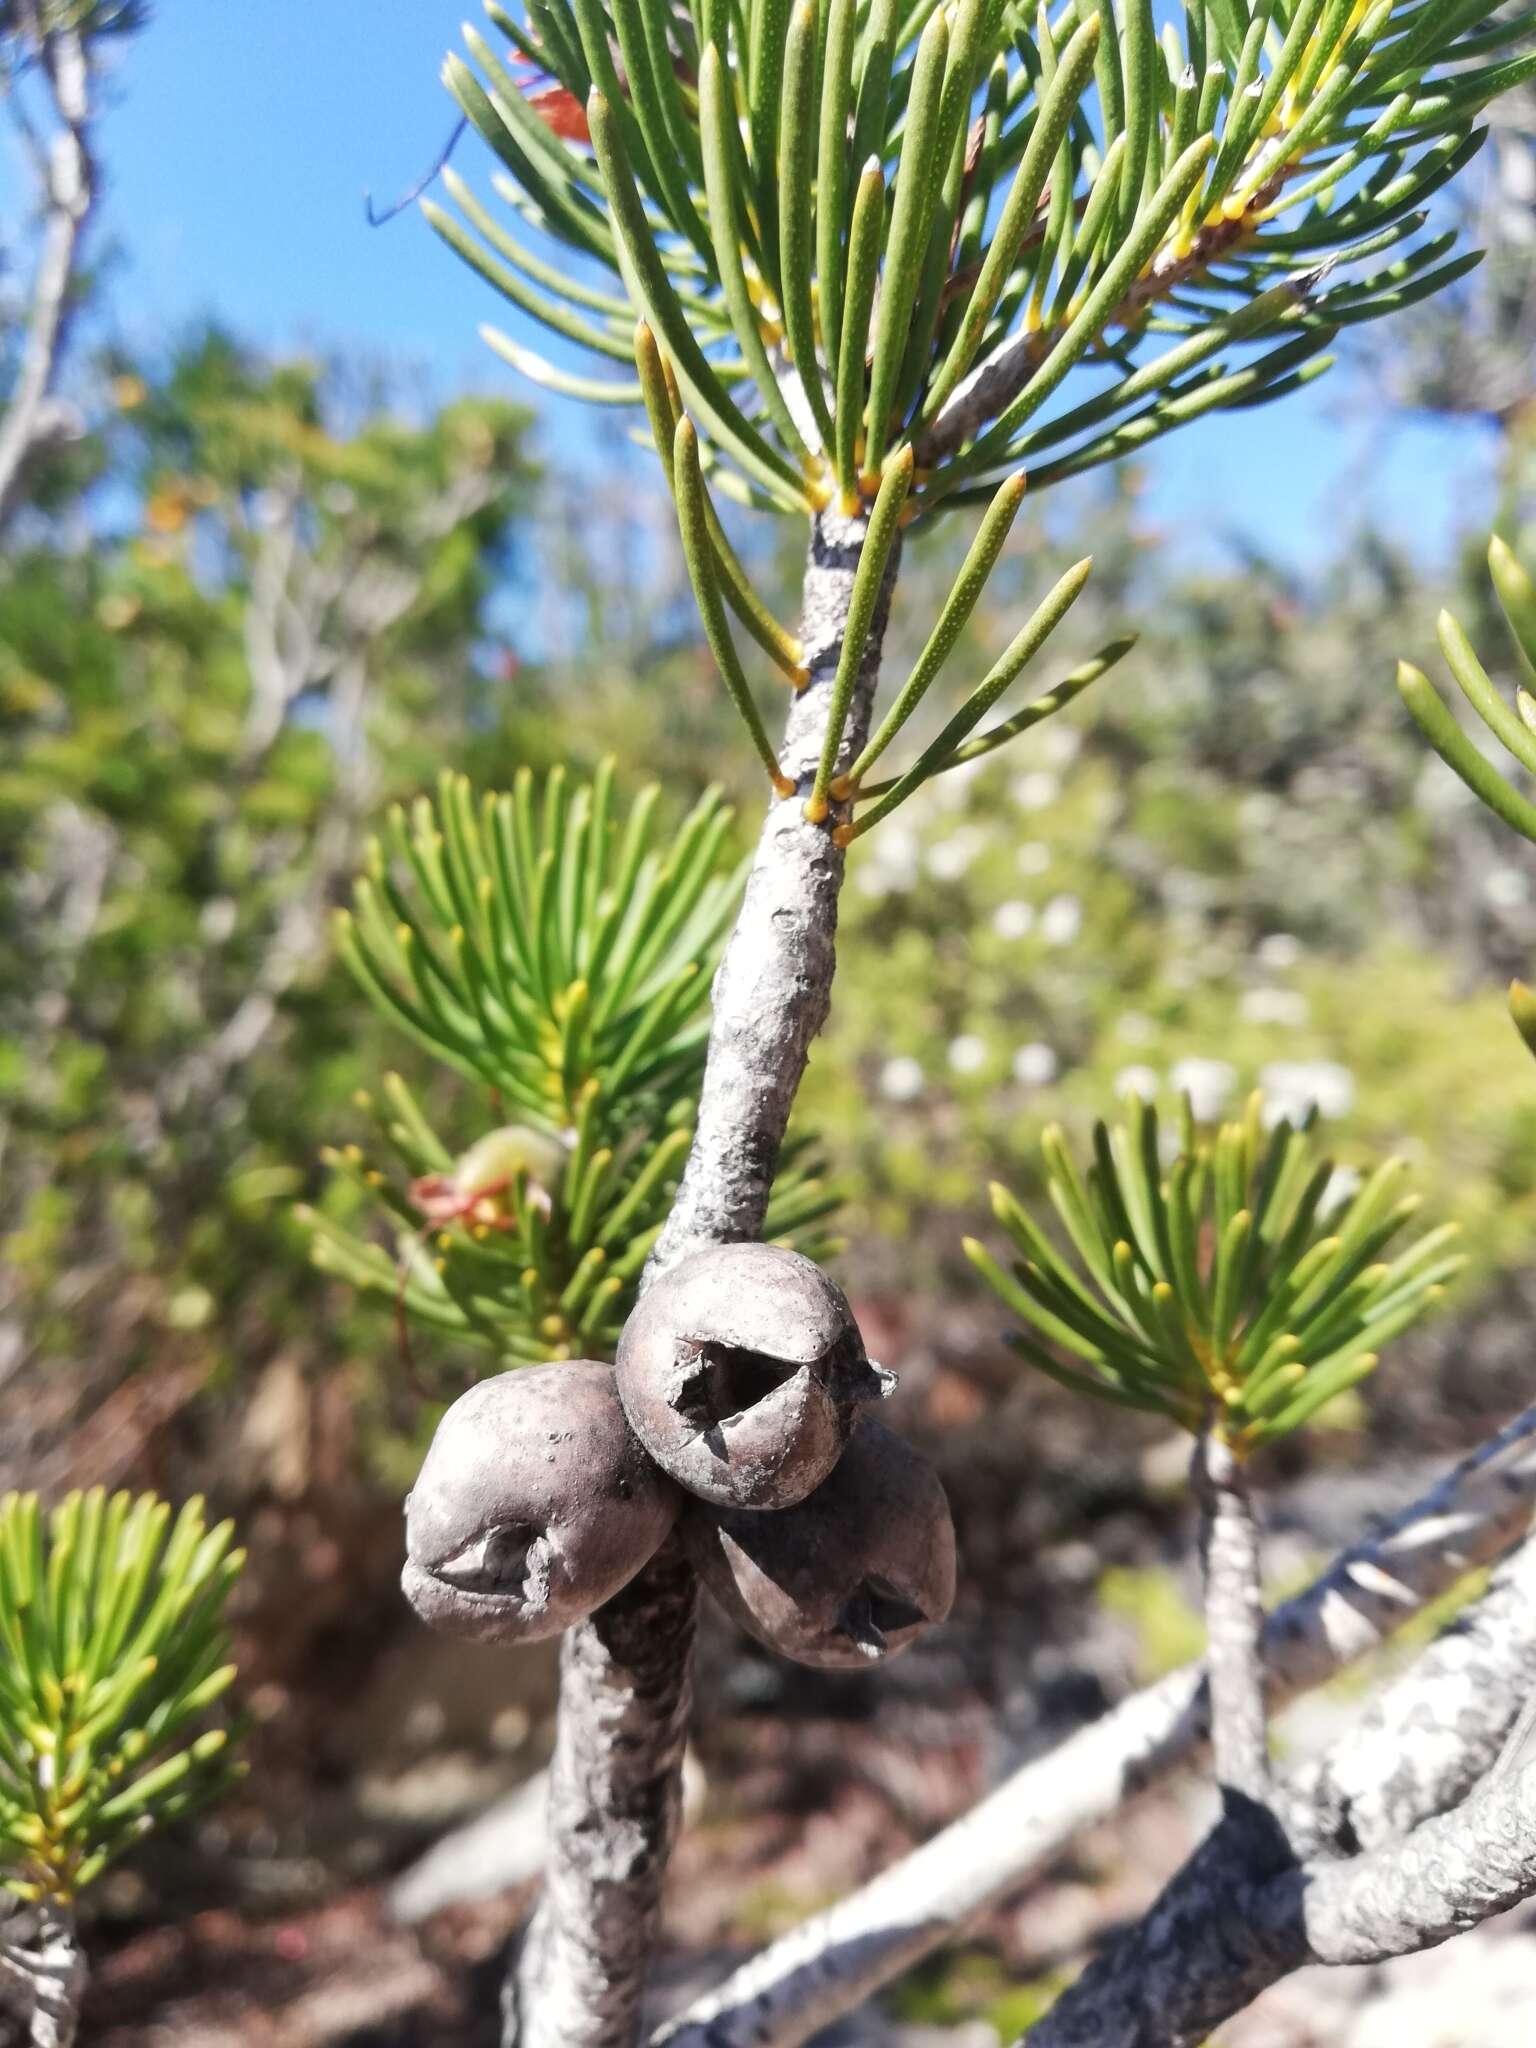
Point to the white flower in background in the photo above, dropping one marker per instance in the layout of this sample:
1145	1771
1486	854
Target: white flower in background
217	919
1280	950
1292	1087
1142	1081
952	789
1343	1186
891	862
1207	1083
1060	745
1274	1006
967	1053
1135	1028
268	510
1036	1065
1013	920
901	1079
1061	920
1035	791
949	858
1505	888
1034	857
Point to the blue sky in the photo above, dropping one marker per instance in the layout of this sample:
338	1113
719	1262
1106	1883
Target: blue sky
243	139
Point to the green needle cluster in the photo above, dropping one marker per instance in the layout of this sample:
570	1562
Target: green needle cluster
1224	1287
893	256
537	942
1515	730
113	1645
862	227
559	957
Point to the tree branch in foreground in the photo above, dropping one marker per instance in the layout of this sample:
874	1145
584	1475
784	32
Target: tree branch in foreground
614	1787
624	1698
48	1967
835	1961
1428	1738
1226	1928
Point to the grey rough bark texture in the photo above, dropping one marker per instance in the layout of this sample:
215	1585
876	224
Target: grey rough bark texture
615	1792
66	172
40	1955
1223	1932
834	1962
775	982
1430	1736
1234	1618
625	1674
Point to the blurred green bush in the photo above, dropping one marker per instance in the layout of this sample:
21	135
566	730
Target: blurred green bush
1235	864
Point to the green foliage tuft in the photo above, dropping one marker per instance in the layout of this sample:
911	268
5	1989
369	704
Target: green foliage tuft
1228	1288
114	1646
561	960
858	232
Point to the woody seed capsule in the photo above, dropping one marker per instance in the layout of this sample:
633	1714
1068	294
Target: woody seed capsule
853	1574
742	1372
533	1506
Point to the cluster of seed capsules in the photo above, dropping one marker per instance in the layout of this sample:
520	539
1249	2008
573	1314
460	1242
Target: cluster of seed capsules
735	1419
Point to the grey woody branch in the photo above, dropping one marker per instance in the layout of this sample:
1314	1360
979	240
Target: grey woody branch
775	983
1219	1937
624	1697
615	1781
41	1957
66	171
1430	1736
1229	1925
841	1957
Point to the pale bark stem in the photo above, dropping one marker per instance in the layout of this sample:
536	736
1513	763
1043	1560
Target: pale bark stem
614	1790
1234	1616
